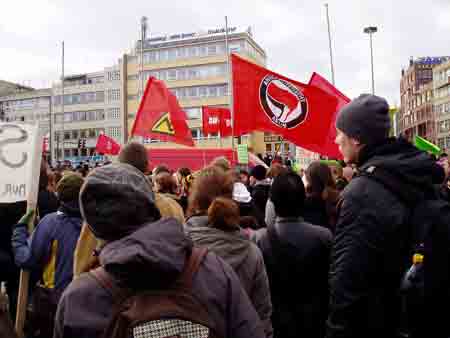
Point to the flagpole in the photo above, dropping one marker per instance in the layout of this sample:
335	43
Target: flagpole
230	83
329	45
62	104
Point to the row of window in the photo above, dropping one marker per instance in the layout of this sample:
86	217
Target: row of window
113	75
188	73
84	81
197	134
80	98
442	92
114	132
77	134
442	109
40	102
80	116
172	54
442	75
444	126
200	91
444	142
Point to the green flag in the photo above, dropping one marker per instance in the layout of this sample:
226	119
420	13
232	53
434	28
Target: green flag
425	145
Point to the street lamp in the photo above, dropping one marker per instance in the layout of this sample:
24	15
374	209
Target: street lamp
370	30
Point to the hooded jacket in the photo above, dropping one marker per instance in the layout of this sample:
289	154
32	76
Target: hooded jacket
369	250
145	256
243	256
50	248
151	257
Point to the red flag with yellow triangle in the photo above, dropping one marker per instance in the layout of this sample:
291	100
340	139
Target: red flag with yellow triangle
160	116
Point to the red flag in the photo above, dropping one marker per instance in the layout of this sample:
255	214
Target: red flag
216	120
160	116
330	148
263	100
106	145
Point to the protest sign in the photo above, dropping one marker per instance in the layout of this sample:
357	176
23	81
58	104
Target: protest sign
20	161
242	154
20	158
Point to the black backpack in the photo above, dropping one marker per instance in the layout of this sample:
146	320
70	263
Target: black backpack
425	294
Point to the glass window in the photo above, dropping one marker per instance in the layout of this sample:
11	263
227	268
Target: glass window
67	135
162	75
91	133
99	96
192	51
172	54
212	91
181	92
192	92
181	52
83	133
81	116
223	90
202	51
172	74
163	55
181	74
75	134
203	91
68	117
212	50
193	73
193	113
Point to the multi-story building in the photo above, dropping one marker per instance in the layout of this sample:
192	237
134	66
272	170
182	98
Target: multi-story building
416	116
31	106
194	67
441	87
8	88
91	107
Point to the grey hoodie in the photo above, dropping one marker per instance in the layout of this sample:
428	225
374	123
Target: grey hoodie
245	258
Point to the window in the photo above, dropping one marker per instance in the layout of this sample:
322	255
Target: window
114	132
91	133
203	91
68	117
81	116
163	55
192	51
196	134
172	53
113	95
100	96
193	113
212	50
75	134
114	113
202	50
67	135
212	91
114	75
192	92
172	75
181	74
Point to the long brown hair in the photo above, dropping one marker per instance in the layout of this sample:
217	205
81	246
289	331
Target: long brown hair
210	183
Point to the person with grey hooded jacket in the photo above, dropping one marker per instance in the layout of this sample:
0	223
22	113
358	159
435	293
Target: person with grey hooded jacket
144	252
214	224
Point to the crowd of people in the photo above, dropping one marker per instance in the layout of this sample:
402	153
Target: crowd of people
226	252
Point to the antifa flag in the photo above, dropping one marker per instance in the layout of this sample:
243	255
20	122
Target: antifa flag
303	114
216	120
107	145
160	116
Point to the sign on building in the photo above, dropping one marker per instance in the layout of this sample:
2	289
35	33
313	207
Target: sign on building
20	159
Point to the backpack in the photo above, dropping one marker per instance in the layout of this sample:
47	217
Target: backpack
424	289
164	313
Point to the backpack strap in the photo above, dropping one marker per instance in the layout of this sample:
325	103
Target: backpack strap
106	281
192	265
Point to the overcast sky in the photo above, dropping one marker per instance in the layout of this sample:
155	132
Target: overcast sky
293	33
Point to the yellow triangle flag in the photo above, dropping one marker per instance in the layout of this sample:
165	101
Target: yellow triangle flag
163	126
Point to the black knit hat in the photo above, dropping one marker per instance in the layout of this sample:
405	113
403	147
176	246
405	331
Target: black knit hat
365	119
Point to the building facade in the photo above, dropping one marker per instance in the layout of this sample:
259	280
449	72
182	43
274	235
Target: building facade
441	87
9	88
416	115
92	106
194	67
30	106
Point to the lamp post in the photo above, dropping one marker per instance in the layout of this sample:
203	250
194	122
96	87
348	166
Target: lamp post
371	30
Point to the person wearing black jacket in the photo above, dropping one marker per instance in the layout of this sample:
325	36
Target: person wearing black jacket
260	193
296	255
369	256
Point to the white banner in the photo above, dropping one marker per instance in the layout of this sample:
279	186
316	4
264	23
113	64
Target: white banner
20	159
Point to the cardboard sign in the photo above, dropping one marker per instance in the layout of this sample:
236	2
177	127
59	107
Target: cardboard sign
20	159
242	154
